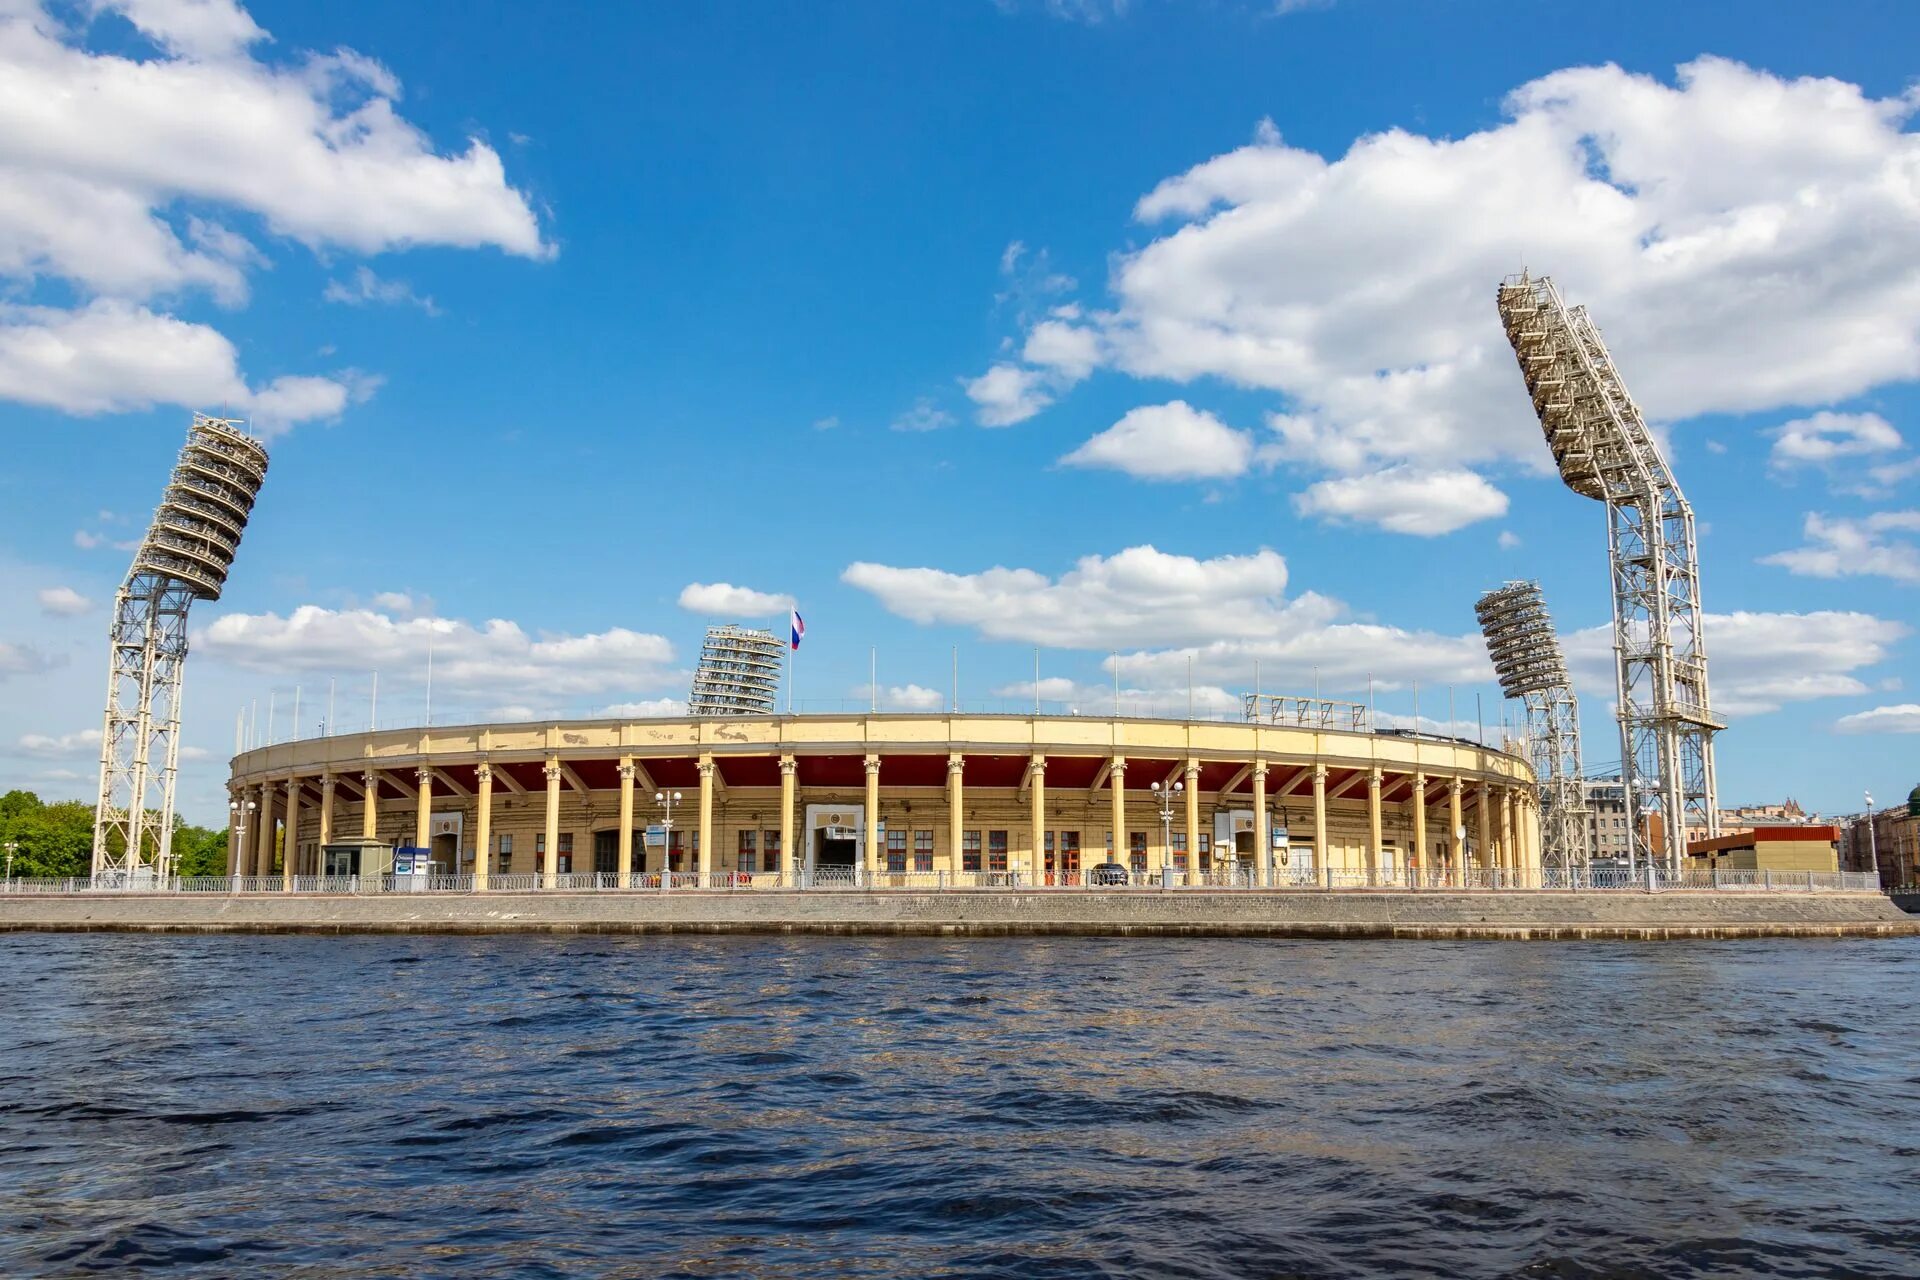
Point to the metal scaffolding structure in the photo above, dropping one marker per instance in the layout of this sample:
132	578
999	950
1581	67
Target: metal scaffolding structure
1531	668
185	556
739	673
1305	713
1605	452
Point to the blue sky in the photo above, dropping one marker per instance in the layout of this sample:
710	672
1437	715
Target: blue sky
561	316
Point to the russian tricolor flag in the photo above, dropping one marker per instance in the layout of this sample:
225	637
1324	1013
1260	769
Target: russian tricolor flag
799	629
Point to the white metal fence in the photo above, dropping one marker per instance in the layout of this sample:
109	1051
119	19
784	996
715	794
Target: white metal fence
859	879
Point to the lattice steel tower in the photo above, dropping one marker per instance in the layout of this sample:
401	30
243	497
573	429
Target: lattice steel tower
1605	452
1527	659
739	673
184	557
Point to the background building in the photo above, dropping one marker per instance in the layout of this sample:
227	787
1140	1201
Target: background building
1608	835
739	673
1896	836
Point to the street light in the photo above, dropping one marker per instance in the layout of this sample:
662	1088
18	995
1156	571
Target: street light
234	811
666	800
10	847
1165	795
1873	842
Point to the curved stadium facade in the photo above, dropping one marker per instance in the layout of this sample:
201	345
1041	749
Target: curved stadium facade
887	800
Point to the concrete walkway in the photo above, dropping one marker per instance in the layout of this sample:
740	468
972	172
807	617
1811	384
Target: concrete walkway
1429	914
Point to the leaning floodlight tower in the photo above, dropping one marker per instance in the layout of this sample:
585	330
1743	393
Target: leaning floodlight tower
1605	452
739	673
184	557
1531	668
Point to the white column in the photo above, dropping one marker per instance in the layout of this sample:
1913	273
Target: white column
706	819
1262	830
483	826
290	859
550	860
626	820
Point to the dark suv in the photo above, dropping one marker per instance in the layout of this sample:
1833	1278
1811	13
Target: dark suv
1108	873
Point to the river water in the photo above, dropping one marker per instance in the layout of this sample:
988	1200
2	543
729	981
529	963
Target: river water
738	1106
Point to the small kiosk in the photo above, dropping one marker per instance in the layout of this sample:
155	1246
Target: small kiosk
367	861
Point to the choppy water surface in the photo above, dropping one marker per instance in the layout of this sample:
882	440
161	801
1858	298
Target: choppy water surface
1033	1108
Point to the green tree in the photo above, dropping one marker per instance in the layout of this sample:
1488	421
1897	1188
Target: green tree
57	839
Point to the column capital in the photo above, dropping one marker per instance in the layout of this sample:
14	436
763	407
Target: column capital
1373	778
1193	772
553	769
483	772
424	774
1036	763
956	763
328	782
291	785
1119	765
789	766
1456	786
626	771
873	765
706	767
1319	775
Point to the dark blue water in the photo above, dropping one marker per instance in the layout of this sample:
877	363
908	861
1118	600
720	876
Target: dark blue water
229	1106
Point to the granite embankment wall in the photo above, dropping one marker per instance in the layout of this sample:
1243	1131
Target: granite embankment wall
1430	914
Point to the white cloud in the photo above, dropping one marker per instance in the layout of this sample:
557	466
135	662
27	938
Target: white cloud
644	709
21	660
395	602
367	287
904	697
63	602
119	169
1172	441
1748	242
1758	662
1825	437
110	357
87	541
723	598
497	658
1841	548
1140	595
924	416
1405	500
1508	540
1007	394
83	742
1904	718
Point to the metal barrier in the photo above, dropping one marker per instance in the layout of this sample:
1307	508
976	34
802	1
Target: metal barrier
844	878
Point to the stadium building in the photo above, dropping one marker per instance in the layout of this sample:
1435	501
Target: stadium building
889	800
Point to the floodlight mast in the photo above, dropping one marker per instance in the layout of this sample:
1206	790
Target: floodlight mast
1605	452
185	556
1530	666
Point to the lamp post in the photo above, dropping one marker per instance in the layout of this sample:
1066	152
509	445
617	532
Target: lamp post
10	847
666	800
1873	842
241	818
1166	796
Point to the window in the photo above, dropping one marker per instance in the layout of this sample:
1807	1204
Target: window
1206	851
969	850
770	847
896	850
1179	852
676	850
996	851
505	844
749	859
566	853
1069	850
1137	852
923	850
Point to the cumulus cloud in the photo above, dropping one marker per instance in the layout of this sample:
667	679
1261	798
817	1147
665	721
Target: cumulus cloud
1172	441
645	708
903	697
1841	548
1759	662
496	658
723	598
1825	437
63	602
1140	595
83	742
1405	500
1007	394
120	170
1904	718
111	357
1360	288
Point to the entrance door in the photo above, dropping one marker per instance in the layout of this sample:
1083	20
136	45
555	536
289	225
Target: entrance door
606	852
446	855
834	854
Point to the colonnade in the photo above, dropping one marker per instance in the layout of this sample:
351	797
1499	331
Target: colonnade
1506	823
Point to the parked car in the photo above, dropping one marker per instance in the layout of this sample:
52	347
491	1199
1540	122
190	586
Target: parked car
1107	873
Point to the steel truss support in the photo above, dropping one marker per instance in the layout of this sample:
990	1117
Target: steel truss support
1531	667
184	557
1605	452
